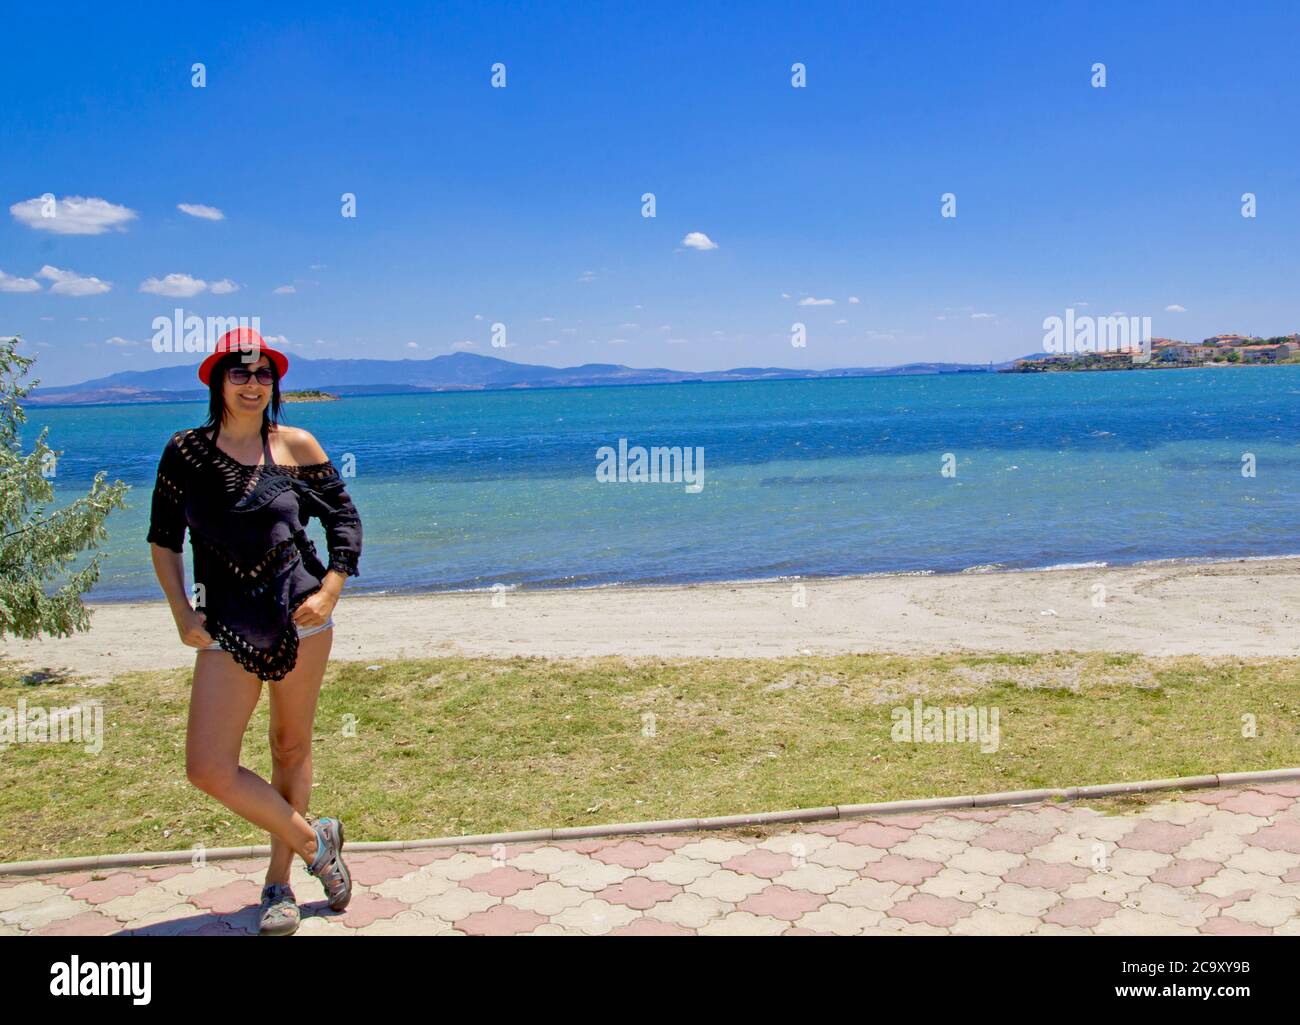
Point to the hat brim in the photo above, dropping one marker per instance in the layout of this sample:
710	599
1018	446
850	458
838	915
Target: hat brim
280	360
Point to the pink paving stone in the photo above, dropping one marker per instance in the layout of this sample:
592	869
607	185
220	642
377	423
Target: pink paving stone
1084	913
639	892
668	842
88	923
914	821
1248	802
227	899
1185	872
650	927
1208	900
100	891
157	875
367	908
801	930
1281	789
1208	796
504	881
980	814
761	862
782	902
894	868
932	910
874	834
1047	876
1280	836
67	880
373	869
428	855
632	854
1292	876
1224	926
501	920
1015	841
1165	837
828	829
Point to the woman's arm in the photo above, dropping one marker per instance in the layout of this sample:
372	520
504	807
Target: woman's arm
170	569
166	538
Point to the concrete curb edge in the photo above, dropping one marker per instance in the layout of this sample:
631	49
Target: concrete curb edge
830	813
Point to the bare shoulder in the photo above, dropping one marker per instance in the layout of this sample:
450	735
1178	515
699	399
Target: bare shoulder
301	445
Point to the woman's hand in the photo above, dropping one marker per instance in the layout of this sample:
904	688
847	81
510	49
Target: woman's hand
192	626
316	610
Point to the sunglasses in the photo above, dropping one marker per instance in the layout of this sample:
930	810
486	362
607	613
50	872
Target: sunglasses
241	375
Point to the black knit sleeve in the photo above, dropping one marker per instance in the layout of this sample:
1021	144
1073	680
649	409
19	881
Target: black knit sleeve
167	513
332	505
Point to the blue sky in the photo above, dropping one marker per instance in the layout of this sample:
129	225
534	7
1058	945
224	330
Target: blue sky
522	205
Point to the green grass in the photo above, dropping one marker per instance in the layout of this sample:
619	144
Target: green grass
452	745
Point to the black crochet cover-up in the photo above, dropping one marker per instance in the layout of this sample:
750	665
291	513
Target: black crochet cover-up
252	554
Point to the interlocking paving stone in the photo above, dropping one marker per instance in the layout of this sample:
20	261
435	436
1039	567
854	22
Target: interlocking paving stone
504	881
1220	862
782	902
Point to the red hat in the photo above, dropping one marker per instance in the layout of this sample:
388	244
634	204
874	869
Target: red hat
245	340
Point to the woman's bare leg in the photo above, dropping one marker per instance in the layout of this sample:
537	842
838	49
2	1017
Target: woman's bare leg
293	714
222	700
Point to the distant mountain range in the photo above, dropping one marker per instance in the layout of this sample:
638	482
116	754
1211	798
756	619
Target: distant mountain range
461	371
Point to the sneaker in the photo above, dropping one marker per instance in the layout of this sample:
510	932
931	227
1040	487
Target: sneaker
280	914
328	866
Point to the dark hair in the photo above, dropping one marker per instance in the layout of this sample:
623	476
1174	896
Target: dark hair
217	399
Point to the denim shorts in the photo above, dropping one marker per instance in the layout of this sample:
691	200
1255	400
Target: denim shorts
216	645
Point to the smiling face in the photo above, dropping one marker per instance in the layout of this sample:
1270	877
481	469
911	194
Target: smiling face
250	398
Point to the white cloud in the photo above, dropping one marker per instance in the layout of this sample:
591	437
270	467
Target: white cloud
68	282
9	283
698	240
463	345
618	341
72	215
1175	308
585	276
284	290
841	321
174	286
412	345
206	213
115	340
983	316
678	341
810	301
478	316
854	300
223	287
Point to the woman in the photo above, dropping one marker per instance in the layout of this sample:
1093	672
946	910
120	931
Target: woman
245	485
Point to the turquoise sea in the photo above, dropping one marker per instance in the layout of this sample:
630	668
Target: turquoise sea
801	478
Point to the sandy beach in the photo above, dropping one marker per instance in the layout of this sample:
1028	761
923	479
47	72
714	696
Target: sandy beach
1238	608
